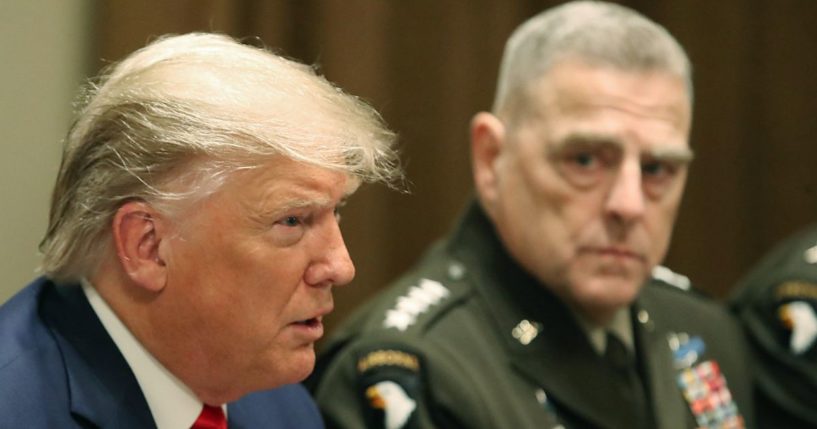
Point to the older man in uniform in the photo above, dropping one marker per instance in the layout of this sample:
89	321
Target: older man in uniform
193	244
538	311
777	305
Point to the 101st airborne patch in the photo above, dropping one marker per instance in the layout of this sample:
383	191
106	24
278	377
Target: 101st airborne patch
389	380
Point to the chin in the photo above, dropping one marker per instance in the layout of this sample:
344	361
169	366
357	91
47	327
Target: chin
609	292
299	365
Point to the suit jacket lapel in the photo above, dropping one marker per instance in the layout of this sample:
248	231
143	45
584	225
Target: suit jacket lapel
102	388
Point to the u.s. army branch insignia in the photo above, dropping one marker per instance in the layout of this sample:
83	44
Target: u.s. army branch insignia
389	383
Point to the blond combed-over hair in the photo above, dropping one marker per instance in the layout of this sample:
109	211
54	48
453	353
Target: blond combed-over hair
191	109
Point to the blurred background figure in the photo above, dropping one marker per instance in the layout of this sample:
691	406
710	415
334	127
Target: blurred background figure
777	304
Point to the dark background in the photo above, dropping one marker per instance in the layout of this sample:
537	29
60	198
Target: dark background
428	65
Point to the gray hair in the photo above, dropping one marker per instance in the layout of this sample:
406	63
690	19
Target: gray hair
598	33
191	110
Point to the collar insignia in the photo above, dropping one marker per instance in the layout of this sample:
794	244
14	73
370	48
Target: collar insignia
526	331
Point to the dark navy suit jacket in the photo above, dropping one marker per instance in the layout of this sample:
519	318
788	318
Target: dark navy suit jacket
59	368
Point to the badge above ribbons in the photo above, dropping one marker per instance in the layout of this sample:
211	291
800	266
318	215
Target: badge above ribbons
703	385
389	380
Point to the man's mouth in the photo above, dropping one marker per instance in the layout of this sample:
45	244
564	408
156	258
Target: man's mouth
616	252
311	323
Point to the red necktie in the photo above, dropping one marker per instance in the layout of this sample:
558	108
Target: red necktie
210	418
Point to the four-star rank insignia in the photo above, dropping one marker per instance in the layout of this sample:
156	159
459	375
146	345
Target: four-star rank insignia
389	381
703	385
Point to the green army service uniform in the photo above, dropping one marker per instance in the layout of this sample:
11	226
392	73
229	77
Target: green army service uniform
777	305
469	340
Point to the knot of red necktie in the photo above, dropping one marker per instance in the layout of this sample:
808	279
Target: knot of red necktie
210	418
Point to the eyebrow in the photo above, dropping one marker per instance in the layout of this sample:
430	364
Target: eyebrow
676	155
586	140
300	203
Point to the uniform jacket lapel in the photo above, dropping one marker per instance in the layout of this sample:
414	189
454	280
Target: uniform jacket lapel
576	379
654	351
560	358
103	391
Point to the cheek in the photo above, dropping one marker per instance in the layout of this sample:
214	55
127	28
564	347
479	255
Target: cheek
279	280
658	229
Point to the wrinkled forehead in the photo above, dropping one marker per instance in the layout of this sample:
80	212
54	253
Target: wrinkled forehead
580	90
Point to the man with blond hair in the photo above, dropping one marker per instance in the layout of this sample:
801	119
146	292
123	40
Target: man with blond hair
541	309
193	244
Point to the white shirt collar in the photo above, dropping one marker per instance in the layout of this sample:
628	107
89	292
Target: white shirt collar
172	403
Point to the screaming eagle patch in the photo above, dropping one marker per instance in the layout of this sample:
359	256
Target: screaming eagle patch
389	381
796	301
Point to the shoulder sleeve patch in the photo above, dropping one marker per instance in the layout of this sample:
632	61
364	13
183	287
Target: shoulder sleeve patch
390	387
793	304
799	318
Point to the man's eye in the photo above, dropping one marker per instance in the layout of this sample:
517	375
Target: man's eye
585	159
658	176
290	221
656	169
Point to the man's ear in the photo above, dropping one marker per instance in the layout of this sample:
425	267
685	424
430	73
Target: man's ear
487	139
138	231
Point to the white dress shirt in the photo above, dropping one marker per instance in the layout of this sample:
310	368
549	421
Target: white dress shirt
172	403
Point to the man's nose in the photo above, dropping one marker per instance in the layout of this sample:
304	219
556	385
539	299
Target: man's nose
626	200
333	265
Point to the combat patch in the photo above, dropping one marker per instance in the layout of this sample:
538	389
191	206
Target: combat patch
390	385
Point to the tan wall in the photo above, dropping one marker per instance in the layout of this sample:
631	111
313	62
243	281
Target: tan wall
44	50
